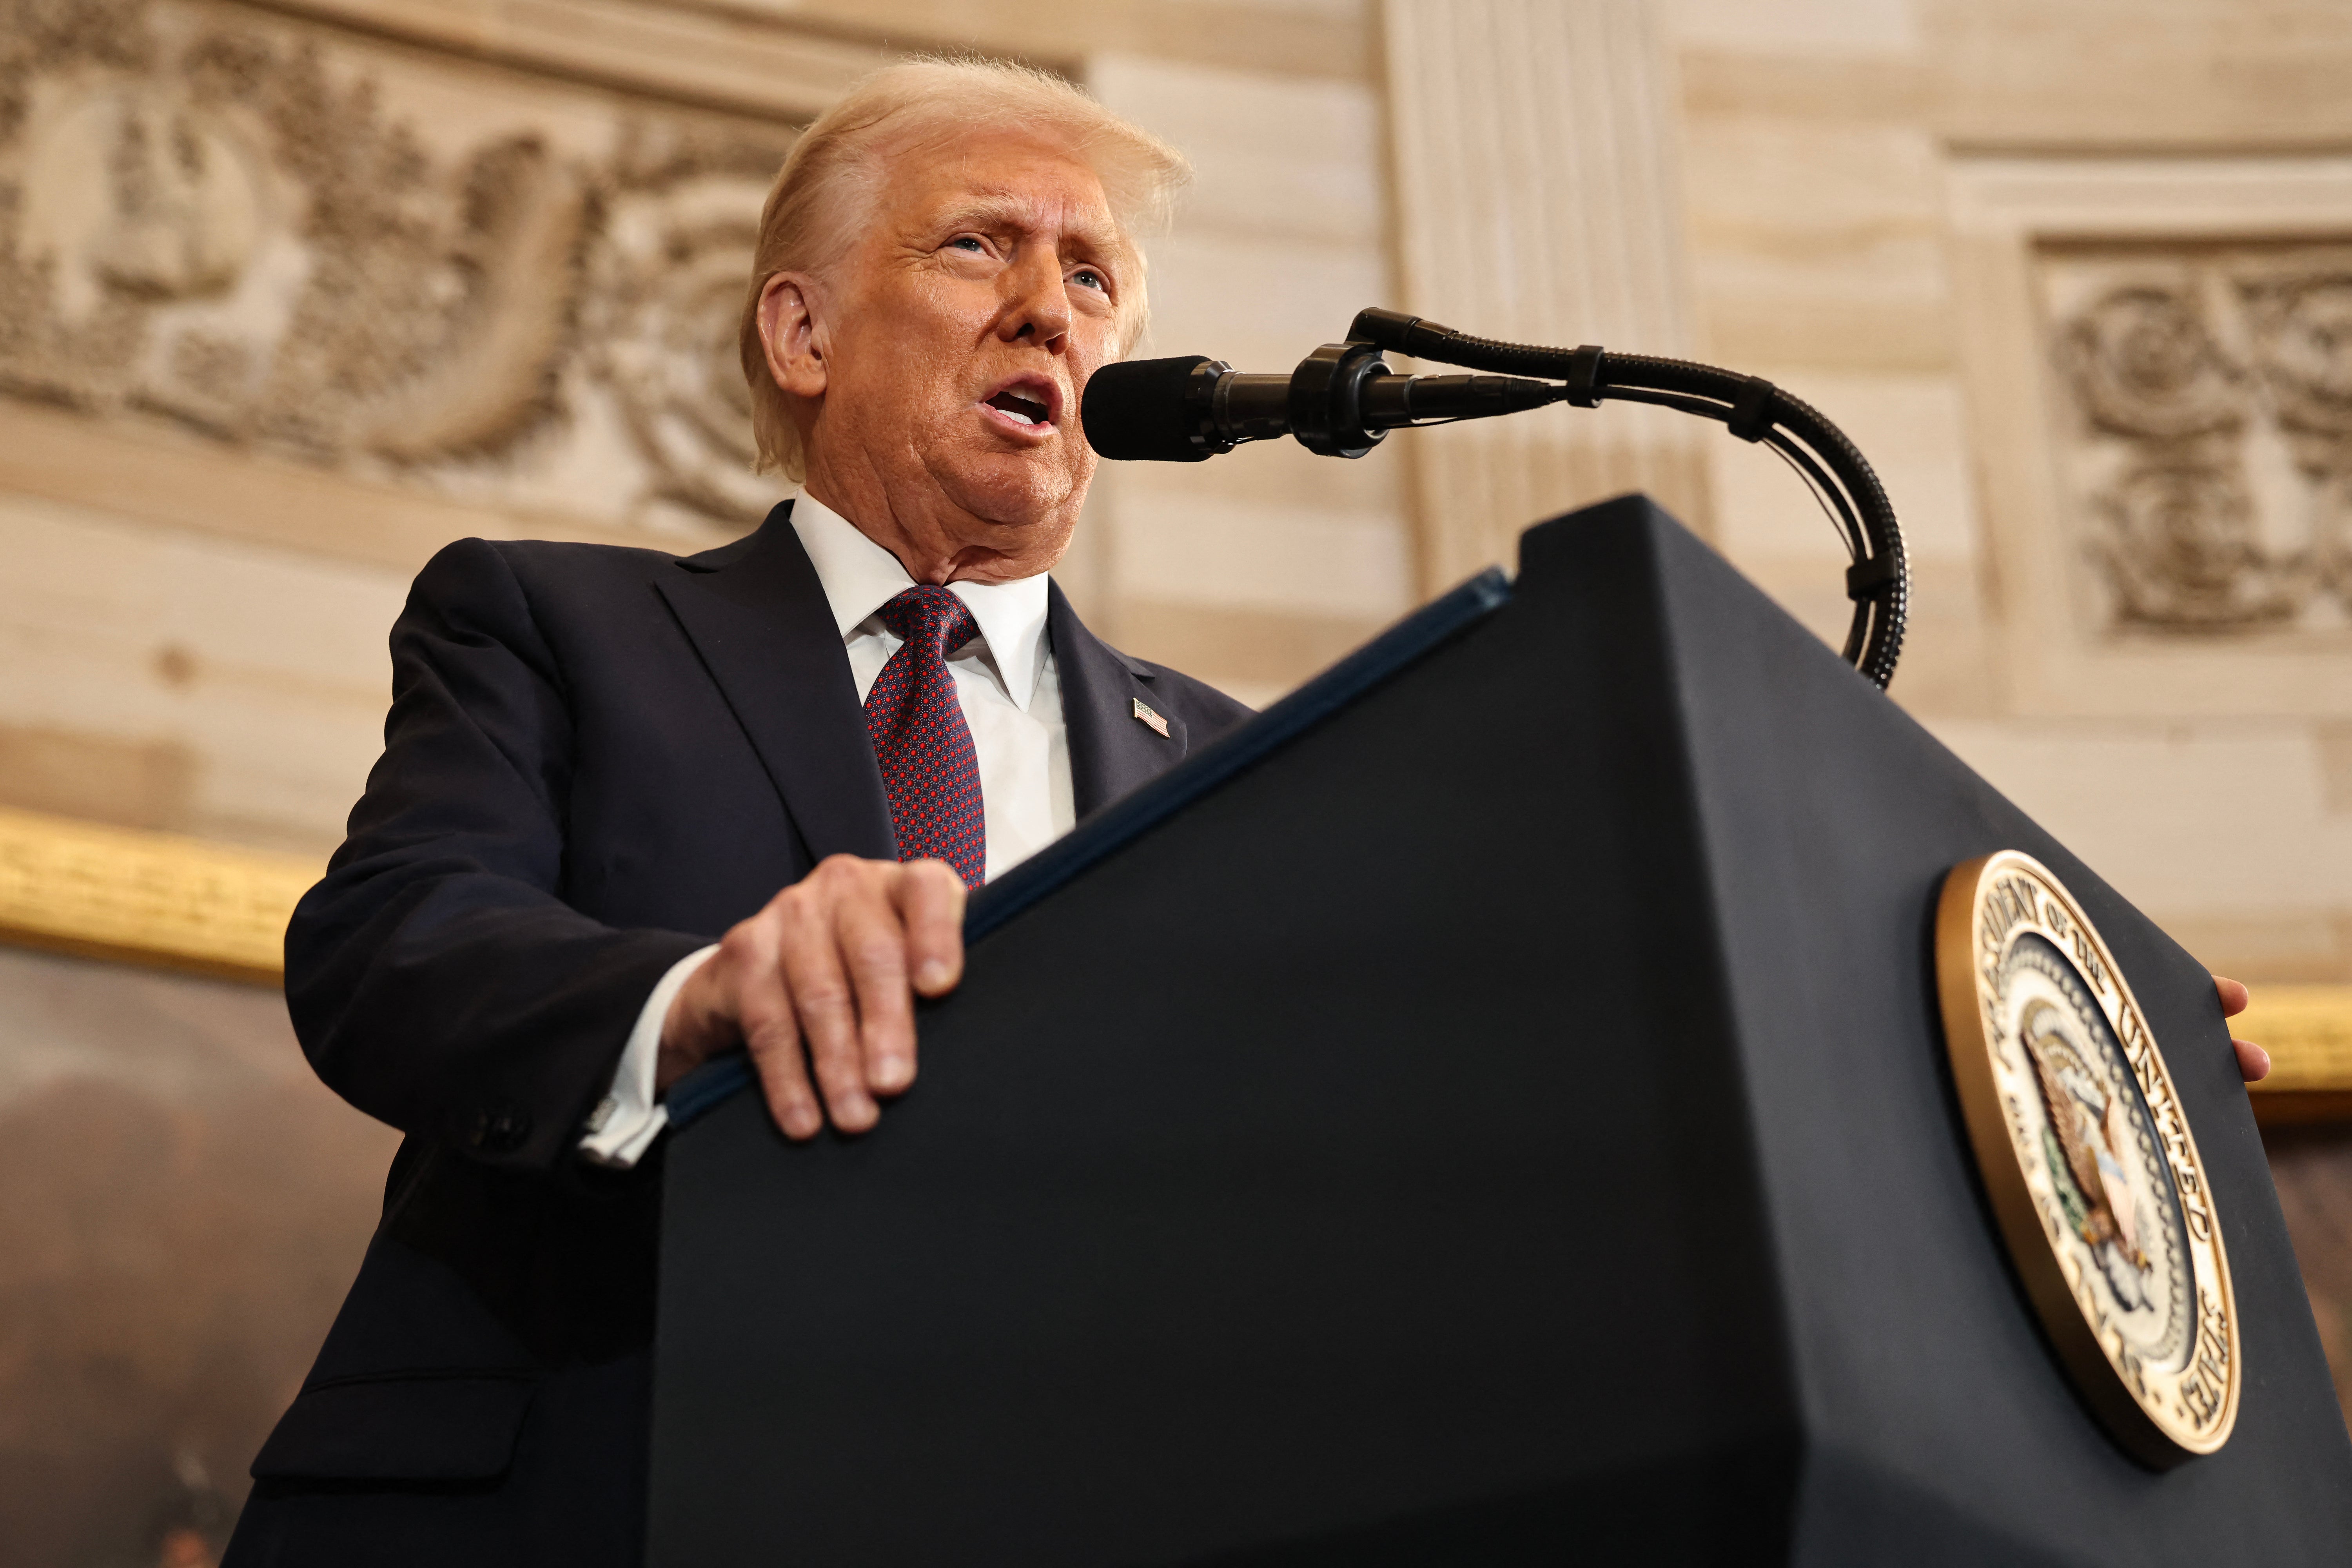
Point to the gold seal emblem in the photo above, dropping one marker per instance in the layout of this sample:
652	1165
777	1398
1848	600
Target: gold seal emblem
2094	1176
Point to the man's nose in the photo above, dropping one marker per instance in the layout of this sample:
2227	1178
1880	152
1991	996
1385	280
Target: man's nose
1038	309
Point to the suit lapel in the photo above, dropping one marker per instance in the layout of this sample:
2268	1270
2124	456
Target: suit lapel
1111	750
757	613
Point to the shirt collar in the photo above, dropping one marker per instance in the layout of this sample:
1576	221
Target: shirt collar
859	577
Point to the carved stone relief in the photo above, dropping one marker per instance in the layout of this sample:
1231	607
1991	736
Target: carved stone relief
2208	444
412	270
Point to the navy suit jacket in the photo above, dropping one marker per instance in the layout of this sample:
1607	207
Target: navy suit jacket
596	760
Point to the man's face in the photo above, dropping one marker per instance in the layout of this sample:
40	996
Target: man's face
951	347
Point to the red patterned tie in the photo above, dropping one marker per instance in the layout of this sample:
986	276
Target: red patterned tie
928	767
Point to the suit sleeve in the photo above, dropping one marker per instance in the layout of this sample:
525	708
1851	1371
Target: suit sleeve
436	978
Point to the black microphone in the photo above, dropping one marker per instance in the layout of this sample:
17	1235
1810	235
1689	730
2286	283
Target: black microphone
1343	398
1338	403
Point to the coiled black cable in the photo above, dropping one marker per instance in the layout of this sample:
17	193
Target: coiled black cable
1879	579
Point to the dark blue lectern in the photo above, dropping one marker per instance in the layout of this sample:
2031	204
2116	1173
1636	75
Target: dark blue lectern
1491	1110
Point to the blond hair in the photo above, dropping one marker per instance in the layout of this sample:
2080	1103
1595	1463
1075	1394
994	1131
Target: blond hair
824	195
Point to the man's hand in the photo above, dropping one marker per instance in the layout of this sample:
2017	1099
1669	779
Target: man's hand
2253	1060
827	974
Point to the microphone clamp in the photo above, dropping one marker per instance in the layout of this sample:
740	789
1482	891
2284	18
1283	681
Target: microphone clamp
1326	399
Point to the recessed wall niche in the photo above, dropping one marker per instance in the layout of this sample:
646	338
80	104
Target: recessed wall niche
2156	357
2205	430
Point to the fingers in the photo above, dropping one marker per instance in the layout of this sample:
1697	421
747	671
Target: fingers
819	983
2234	996
906	923
930	902
771	1034
874	943
2254	1062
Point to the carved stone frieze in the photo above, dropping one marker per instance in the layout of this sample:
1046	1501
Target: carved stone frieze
664	293
412	270
2209	431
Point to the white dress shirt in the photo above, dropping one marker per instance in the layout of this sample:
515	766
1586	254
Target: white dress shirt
1011	692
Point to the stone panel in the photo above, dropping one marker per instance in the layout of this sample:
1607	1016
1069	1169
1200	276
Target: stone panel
2213	828
1819	241
2124	76
265	668
1238	570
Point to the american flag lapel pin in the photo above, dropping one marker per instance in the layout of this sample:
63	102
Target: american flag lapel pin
1149	717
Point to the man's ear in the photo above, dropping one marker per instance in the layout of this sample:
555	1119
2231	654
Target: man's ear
791	332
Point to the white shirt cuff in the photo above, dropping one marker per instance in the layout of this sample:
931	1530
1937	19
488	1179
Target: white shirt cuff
626	1121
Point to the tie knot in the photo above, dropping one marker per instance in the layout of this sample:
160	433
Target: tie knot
929	617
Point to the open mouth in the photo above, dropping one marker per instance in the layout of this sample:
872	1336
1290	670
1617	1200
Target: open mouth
1028	404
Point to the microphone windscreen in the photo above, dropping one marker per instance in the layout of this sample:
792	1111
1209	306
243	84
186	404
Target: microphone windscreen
1134	411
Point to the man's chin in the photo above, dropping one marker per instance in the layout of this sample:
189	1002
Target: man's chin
1016	491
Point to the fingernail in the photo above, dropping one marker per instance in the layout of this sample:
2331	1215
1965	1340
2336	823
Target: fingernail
934	974
891	1072
802	1121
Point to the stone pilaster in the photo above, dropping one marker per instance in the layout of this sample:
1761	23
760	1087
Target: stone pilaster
1537	199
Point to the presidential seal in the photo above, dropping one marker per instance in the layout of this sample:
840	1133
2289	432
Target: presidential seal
2094	1176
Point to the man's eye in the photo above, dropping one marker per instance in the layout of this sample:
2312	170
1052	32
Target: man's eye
1087	277
969	242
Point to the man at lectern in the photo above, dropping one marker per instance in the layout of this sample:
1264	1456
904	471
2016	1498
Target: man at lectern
634	810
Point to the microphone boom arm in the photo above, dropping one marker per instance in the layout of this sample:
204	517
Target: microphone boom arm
1343	398
1879	579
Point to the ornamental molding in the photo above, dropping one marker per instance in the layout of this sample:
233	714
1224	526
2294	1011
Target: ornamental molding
745	57
147	897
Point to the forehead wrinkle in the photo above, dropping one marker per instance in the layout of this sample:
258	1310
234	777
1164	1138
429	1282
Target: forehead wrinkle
1012	209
